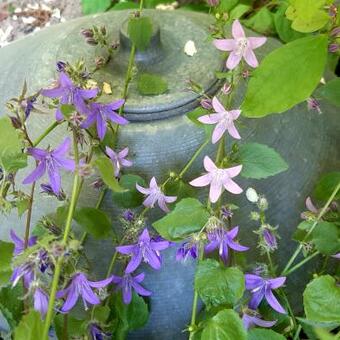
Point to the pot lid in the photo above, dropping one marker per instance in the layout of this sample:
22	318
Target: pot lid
165	57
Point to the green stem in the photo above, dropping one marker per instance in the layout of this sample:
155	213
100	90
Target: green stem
193	158
193	327
297	333
322	212
297	266
45	133
59	262
29	216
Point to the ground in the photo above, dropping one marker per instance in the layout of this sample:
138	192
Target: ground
21	17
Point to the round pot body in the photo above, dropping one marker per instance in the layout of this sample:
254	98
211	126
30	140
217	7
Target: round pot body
161	139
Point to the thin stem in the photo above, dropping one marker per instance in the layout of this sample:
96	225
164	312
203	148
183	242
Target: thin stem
192	327
67	230
29	216
193	158
322	212
297	266
45	133
297	333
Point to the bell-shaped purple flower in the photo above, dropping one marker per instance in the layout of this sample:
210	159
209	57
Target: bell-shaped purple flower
262	288
146	250
97	333
240	47
118	159
24	271
80	286
222	239
269	238
218	179
101	113
155	194
223	119
68	93
188	249
19	244
51	162
251	318
128	282
40	301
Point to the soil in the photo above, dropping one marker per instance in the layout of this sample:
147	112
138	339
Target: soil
21	17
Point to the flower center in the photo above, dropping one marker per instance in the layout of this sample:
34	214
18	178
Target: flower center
242	45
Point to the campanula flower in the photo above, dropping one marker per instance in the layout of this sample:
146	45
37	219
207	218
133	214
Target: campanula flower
47	189
336	256
251	318
101	113
222	239
240	47
80	286
223	119
97	333
52	162
24	271
40	301
118	159
262	288
128	282
68	93
155	194
188	249
19	244
218	179
269	238
146	250
313	105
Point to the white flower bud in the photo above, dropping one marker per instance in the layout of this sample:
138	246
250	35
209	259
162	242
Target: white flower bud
262	203
252	195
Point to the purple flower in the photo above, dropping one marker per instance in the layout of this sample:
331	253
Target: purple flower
60	66
128	215
118	159
262	288
97	333
188	249
336	256
68	93
240	47
127	282
223	119
333	48
47	189
146	250
218	179
19	244
221	239
313	105
269	238
155	194
251	318
101	113
52	162
24	271
40	301
81	286
28	105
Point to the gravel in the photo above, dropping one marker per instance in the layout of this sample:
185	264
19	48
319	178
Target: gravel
21	17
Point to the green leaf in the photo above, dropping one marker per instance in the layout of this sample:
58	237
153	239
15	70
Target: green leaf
225	325
226	5
11	156
124	5
67	110
283	25
217	284
307	15
286	77
262	22
326	186
6	254
180	189
11	304
75	328
94	221
132	316
326	237
140	32
195	114
330	92
261	334
101	314
239	11
130	198
95	6
30	327
188	216
260	161
151	84
321	300
107	173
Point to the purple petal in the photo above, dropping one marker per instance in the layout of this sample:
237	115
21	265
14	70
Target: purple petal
233	60
129	249
209	165
215	190
201	181
144	236
170	199
234	171
263	323
140	290
152	259
36	173
237	30
145	191
271	299
256	42
224	44
88	94
89	295
90	120
210	119
116	105
53	93
67	164
116	279
253	281
65	81
139	278
63	148
101	127
250	58
237	246
233	232
218	132
310	206
100	284
233	131
232	187
218	107
127	294
116	118
38	154
256	299
123	153
71	300
134	262
210	247
18	242
277	282
162	204
234	114
55	179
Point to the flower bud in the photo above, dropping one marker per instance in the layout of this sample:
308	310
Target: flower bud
213	3
335	32
333	48
16	122
226	88
206	103
60	67
254	216
92	41
262	203
87	33
269	238
99	61
252	195
103	30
